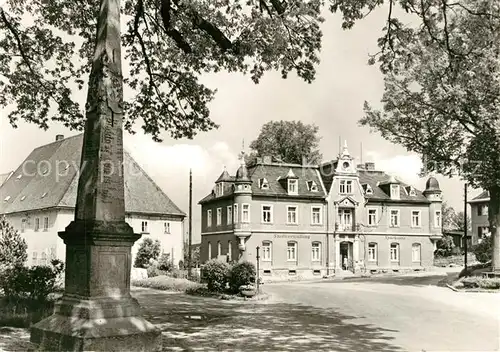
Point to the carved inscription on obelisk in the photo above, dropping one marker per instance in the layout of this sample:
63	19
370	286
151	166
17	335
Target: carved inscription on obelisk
101	186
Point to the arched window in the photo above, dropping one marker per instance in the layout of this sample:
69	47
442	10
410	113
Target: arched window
34	258
291	253
219	248
209	250
229	250
267	251
416	252
316	252
394	252
372	252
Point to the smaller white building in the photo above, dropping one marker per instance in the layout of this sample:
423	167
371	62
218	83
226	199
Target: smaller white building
39	199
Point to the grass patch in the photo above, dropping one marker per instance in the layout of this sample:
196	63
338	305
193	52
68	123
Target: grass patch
475	270
22	313
166	283
476	282
203	291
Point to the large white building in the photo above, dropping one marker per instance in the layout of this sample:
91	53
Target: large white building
39	199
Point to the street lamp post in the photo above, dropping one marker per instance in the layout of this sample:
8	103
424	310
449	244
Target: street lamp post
258	279
465	226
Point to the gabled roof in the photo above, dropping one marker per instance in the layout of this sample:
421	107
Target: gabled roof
482	197
30	189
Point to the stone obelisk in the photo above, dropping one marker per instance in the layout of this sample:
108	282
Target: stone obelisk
97	312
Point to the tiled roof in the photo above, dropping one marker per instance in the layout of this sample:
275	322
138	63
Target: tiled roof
29	189
276	174
376	178
484	195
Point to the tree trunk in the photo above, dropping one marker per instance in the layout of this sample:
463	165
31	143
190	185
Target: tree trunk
494	219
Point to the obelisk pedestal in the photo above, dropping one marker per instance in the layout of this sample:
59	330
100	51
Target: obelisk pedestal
97	312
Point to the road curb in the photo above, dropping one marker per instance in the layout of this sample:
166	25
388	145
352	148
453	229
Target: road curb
452	288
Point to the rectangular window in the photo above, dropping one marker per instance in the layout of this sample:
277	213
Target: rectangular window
415	252
34	260
316	216
229	250
292	186
45	223
394	252
372	252
394	218
291	252
209	250
219	248
37	224
345	187
144	227
482	231
209	217
235	213
372	217
267	214
166	227
437	218
245	213
52	253
23	225
482	210
267	251
345	219
395	191
415	218
316	252
229	214
291	214
219	216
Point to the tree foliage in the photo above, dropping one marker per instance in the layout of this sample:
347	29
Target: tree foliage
287	141
46	49
148	250
452	220
13	248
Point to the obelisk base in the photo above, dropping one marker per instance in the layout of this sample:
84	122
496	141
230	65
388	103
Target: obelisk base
97	312
70	333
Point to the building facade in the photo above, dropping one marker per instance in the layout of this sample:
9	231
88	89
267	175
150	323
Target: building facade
325	219
479	217
40	196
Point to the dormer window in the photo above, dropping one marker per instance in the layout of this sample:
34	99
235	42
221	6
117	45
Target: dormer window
395	191
219	189
312	186
345	187
412	192
368	190
19	176
44	194
292	186
263	184
7	198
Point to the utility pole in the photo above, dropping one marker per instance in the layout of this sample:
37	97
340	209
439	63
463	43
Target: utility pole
190	223
465	226
258	259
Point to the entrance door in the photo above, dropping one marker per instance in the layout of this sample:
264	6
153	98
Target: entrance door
344	255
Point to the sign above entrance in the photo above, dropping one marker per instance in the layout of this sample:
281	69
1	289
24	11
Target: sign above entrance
395	237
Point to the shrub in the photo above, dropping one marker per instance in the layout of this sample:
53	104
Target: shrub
35	283
215	273
153	271
478	282
164	263
241	274
148	251
445	246
484	250
473	268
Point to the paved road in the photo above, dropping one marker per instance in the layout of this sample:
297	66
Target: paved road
412	311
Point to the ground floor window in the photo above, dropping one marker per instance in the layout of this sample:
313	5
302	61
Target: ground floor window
372	252
291	251
266	251
229	250
394	252
416	252
219	248
316	251
209	251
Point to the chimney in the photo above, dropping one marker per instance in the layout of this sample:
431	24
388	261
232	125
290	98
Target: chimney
370	166
59	137
361	166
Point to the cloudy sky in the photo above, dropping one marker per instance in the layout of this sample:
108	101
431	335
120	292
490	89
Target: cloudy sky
334	102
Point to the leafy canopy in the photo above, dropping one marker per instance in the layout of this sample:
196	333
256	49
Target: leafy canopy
13	248
287	141
442	88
